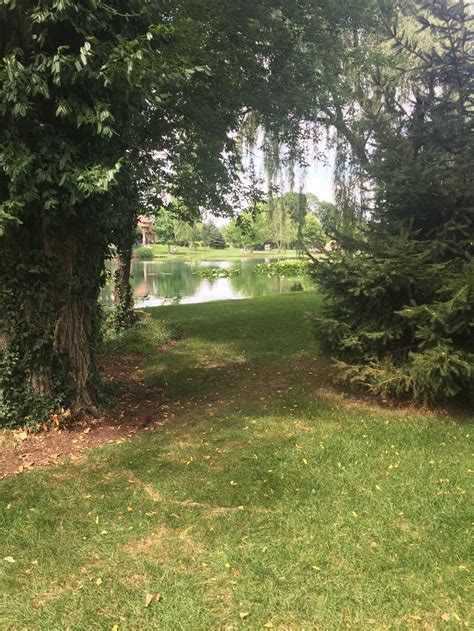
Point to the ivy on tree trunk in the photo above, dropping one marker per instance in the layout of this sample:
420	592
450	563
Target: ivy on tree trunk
50	320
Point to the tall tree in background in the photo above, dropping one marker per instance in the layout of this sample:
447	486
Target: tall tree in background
165	228
401	311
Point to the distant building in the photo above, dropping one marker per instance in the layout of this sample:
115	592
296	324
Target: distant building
145	225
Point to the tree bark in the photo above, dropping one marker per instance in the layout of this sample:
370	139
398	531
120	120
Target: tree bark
76	323
124	315
50	286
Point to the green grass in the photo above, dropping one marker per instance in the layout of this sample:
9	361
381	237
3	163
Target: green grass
210	254
267	493
148	335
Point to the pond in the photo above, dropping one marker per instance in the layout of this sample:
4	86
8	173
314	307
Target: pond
173	281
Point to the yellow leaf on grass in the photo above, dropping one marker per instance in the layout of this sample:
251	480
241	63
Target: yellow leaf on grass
305	461
149	598
445	617
9	559
244	614
98	581
115	627
268	625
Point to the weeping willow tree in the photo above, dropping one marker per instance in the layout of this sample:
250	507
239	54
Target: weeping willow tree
398	106
268	89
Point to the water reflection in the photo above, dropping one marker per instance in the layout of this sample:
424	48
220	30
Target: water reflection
158	283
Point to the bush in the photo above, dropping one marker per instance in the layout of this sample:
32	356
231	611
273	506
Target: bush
291	268
212	273
398	325
144	253
144	338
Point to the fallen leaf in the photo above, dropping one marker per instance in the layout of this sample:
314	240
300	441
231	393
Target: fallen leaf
268	625
9	559
115	627
87	430
305	461
244	614
445	617
149	598
98	581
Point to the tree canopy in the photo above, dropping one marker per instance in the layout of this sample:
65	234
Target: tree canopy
107	108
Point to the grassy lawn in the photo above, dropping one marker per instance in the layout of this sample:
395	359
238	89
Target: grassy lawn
269	500
209	254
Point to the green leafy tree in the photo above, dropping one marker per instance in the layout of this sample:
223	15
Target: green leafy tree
313	236
243	231
72	78
188	233
165	228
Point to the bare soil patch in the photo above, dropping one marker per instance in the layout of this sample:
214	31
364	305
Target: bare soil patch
136	407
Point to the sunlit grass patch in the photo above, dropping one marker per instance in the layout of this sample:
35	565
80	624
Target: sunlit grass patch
267	498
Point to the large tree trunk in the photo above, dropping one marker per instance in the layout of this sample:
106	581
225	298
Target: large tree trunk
76	325
50	286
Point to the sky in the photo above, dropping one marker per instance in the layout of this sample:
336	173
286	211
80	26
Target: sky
317	180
